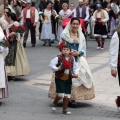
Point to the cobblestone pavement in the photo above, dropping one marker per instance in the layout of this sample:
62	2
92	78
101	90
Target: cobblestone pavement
28	95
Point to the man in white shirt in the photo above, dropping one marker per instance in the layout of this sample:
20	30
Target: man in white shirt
82	11
30	17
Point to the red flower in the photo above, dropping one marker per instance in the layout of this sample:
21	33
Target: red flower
66	64
7	42
14	28
22	28
61	45
18	29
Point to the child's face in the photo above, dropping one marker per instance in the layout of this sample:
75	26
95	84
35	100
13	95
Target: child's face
66	51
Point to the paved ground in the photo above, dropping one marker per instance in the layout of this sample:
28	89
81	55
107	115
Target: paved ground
28	95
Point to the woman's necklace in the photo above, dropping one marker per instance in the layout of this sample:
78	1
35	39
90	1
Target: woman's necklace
75	36
74	33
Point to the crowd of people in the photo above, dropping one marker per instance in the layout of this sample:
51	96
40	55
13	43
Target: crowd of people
52	17
69	25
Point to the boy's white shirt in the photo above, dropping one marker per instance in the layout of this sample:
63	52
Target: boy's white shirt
54	68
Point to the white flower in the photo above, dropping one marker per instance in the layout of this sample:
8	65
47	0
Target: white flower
56	16
40	13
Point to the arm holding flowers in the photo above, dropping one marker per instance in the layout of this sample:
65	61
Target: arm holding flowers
16	32
82	51
53	64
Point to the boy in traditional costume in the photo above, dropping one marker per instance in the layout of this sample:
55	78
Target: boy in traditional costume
100	17
65	69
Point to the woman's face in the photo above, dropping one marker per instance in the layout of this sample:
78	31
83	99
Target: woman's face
11	3
5	11
75	25
86	3
65	7
7	18
6	2
49	6
72	6
15	3
108	5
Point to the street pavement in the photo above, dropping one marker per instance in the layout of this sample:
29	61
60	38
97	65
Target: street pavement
28	94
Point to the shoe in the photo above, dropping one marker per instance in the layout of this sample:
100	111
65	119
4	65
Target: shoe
11	78
117	101
108	37
53	106
33	45
72	104
66	112
102	48
44	44
52	41
98	47
24	45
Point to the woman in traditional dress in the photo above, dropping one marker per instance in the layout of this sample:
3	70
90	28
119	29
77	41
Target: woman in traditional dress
17	8
100	18
3	21
3	77
16	60
116	10
64	13
83	88
72	8
111	22
48	26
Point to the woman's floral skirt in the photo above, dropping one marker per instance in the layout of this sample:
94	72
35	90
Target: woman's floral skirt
77	93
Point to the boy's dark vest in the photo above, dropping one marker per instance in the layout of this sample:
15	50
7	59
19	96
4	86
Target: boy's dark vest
61	58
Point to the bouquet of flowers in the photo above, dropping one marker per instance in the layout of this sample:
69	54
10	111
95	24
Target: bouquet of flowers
40	13
18	29
59	18
21	29
4	43
66	64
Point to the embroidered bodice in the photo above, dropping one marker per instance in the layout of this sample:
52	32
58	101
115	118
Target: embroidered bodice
65	15
48	15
